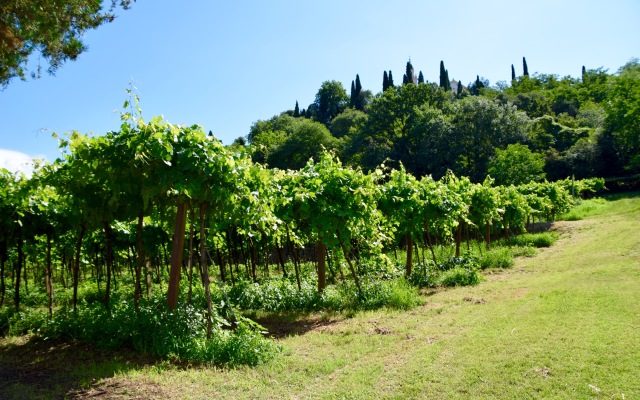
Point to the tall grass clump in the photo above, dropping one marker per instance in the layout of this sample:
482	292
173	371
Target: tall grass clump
540	239
496	257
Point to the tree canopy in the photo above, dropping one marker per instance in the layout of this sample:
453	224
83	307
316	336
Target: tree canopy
54	29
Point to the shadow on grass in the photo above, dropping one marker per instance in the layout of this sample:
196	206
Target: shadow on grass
33	368
292	324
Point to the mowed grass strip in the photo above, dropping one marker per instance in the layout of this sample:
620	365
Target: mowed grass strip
562	324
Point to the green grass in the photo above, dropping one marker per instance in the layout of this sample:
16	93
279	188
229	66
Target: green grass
584	208
562	324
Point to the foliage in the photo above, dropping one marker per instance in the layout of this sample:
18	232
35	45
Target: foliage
330	101
306	141
154	330
623	113
276	295
516	165
282	295
53	29
480	127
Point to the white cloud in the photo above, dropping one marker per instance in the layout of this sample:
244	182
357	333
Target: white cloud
16	161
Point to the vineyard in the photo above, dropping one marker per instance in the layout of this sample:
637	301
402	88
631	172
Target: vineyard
159	238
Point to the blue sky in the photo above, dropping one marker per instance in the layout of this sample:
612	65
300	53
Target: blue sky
225	65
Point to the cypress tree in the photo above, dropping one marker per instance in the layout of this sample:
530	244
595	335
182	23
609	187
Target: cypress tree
447	82
513	73
420	77
584	74
352	97
391	80
408	76
459	93
477	85
525	70
296	111
303	113
385	81
358	101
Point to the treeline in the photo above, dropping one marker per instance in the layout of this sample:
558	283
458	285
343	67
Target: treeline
582	127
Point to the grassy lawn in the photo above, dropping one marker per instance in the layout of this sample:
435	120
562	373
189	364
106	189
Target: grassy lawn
562	324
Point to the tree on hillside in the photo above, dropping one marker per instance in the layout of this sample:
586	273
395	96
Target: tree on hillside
480	126
386	132
358	98
308	140
623	114
596	84
267	136
385	81
420	78
391	79
348	123
409	76
352	95
444	78
331	100
516	165
52	29
475	87
513	73
525	69
296	111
